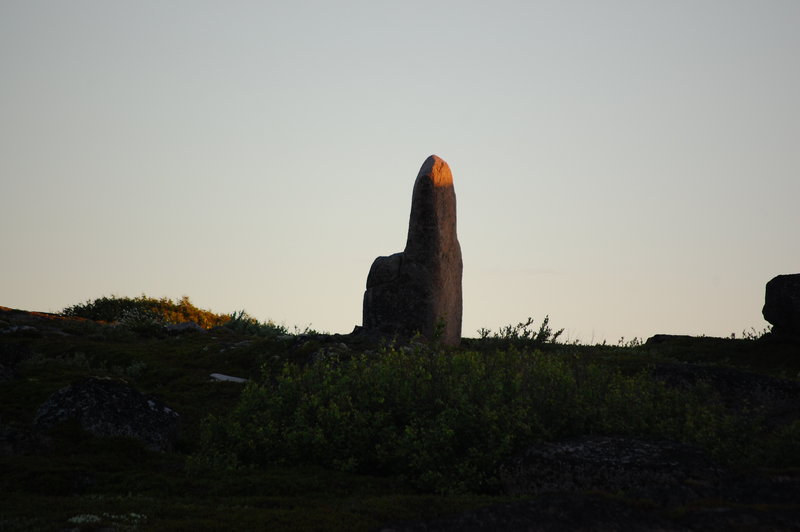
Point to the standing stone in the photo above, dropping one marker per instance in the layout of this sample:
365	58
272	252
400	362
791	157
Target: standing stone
419	290
782	304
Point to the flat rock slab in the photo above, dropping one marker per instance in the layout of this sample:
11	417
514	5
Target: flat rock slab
667	472
106	407
220	377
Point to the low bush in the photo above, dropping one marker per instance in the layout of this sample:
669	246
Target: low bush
521	336
144	311
242	322
444	420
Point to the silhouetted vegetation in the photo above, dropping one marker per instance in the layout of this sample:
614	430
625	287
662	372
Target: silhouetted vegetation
522	335
242	322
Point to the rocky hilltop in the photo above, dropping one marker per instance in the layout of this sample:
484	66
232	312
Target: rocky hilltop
98	428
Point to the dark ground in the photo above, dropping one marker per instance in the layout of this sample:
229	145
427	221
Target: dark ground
63	478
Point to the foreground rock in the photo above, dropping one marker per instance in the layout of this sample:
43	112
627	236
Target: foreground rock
599	483
221	377
419	290
666	472
106	407
782	304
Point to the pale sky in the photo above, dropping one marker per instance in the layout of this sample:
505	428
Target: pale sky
627	167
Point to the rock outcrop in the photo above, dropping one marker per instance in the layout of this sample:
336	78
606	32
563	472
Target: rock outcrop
106	407
419	290
782	304
654	470
602	483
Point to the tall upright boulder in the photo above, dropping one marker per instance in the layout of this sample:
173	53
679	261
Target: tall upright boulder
419	289
782	304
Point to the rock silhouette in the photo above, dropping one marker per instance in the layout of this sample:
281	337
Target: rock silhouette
419	290
658	470
782	304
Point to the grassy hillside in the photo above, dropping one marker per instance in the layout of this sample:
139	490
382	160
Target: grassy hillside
336	432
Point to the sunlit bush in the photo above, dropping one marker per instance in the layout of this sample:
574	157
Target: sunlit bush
120	309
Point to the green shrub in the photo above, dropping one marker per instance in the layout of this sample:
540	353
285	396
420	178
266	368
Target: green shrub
444	420
243	323
521	335
138	310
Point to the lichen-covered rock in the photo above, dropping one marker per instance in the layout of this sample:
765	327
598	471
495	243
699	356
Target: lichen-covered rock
662	471
106	407
782	304
419	290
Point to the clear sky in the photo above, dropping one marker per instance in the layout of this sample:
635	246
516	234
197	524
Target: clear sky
627	167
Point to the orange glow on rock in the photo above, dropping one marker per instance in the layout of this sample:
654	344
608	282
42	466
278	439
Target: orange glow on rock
438	170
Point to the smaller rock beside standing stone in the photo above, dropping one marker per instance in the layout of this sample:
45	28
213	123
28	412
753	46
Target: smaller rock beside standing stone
782	304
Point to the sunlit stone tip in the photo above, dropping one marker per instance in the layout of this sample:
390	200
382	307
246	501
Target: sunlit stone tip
437	169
